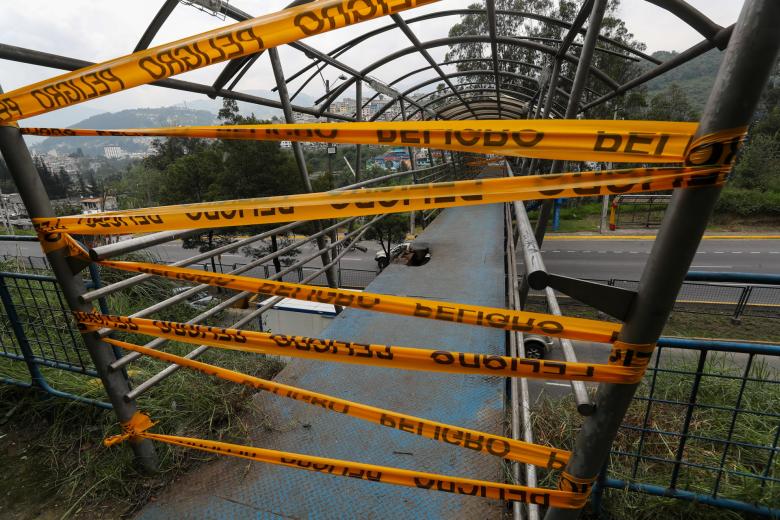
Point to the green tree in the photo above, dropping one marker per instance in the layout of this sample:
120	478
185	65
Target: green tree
758	167
390	230
671	105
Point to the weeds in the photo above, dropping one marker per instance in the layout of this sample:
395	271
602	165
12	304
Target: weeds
556	423
53	446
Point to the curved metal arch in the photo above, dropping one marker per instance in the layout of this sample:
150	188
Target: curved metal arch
507	108
453	62
491	112
408	91
519	102
326	100
344	47
557	110
691	16
466	60
520	96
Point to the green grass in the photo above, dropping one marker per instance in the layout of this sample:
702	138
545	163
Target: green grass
60	467
700	321
556	423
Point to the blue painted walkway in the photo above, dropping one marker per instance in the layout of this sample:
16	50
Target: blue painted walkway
467	265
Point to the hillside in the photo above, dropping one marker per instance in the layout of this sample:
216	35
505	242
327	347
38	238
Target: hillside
133	118
695	77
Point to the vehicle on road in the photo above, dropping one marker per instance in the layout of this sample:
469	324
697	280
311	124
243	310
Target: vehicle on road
536	346
382	258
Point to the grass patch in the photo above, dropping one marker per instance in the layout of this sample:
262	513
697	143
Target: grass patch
58	466
690	321
556	423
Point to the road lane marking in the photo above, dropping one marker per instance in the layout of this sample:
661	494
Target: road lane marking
558	384
652	237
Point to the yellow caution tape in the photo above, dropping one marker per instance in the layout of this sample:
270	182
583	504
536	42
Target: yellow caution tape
566	139
215	46
572	484
631	355
375	201
492	317
400	477
496	445
387	356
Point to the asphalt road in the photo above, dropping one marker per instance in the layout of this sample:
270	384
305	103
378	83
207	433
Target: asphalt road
593	258
625	259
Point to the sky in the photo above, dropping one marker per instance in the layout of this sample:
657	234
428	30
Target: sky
100	30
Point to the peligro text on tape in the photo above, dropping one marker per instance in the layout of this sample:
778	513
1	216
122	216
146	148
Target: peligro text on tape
492	317
194	52
496	445
376	201
565	139
388	356
138	428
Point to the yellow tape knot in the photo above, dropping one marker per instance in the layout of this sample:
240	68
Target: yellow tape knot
139	423
631	354
572	484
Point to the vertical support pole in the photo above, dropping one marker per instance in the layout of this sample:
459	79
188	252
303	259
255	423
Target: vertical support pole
748	60
412	164
358	117
284	97
580	77
604	213
38	205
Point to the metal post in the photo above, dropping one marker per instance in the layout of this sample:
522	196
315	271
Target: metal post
412	164
38	205
284	97
580	77
358	117
748	60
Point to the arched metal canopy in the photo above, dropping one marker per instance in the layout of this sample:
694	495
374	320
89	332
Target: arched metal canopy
550	50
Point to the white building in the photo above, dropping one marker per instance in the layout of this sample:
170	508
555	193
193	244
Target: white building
113	152
98	205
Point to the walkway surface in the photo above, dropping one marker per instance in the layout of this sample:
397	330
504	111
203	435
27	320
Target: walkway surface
467	265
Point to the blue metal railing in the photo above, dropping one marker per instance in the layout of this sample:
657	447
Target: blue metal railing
37	329
753	369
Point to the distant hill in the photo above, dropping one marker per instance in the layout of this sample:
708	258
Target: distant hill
695	77
260	111
133	118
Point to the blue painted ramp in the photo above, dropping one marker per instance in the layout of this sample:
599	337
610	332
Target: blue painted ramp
467	265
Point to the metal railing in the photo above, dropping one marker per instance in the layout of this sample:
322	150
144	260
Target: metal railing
704	426
638	211
37	327
724	299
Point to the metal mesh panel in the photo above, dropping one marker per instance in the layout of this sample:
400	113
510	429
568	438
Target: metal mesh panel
704	422
48	326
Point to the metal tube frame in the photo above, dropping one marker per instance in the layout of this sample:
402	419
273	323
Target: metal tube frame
33	193
749	58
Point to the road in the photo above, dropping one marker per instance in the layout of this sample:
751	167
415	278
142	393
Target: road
595	258
625	259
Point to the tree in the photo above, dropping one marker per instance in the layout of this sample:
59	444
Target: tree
671	105
522	61
390	230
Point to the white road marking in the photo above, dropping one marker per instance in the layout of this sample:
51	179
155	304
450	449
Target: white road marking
558	384
755	252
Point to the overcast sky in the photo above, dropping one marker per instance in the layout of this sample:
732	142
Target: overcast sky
99	30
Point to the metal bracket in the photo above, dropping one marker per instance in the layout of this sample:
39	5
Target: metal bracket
615	301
